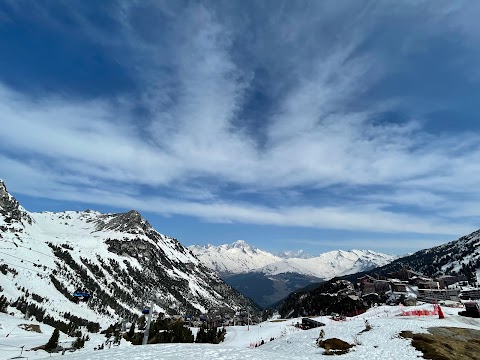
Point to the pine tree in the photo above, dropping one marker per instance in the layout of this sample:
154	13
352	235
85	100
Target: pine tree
131	331
117	337
53	342
79	343
201	335
142	322
3	304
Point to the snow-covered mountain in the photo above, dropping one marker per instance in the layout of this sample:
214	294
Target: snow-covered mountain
241	257
236	258
330	264
299	254
267	278
120	258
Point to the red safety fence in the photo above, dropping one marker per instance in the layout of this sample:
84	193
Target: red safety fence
424	312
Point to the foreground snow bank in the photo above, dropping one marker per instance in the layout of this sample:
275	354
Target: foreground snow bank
381	342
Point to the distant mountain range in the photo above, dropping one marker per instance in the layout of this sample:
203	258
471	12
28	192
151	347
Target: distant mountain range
240	257
118	258
266	278
237	258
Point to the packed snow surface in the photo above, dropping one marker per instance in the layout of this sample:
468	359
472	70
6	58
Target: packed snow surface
382	342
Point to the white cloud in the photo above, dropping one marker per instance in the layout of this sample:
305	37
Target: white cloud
359	218
193	148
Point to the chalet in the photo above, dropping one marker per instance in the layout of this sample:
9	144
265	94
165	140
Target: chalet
381	286
470	294
398	287
437	295
370	285
416	280
447	280
367	288
401	293
404	274
310	324
366	284
428	284
366	279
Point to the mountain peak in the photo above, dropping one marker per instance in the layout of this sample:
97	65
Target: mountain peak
10	209
240	244
3	192
130	222
238	257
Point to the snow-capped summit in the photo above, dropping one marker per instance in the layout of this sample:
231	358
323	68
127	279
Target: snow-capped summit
241	244
238	257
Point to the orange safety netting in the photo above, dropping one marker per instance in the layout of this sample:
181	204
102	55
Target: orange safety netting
424	312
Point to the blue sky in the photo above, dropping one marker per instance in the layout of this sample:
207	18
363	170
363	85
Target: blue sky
313	125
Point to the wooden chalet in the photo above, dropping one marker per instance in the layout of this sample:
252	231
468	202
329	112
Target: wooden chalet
404	274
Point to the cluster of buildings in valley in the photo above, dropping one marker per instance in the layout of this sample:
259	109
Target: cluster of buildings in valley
407	286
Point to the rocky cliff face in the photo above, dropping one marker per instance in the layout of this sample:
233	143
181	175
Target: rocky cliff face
10	209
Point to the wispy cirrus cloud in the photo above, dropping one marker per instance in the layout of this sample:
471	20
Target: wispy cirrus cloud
182	137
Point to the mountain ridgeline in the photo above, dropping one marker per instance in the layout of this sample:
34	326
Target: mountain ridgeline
458	257
119	258
267	278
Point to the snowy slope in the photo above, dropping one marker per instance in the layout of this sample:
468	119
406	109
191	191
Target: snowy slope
45	257
240	257
382	342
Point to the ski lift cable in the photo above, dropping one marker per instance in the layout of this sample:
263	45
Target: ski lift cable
29	248
6	345
23	267
33	262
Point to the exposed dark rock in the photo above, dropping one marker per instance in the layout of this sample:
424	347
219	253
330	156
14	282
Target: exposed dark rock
10	208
